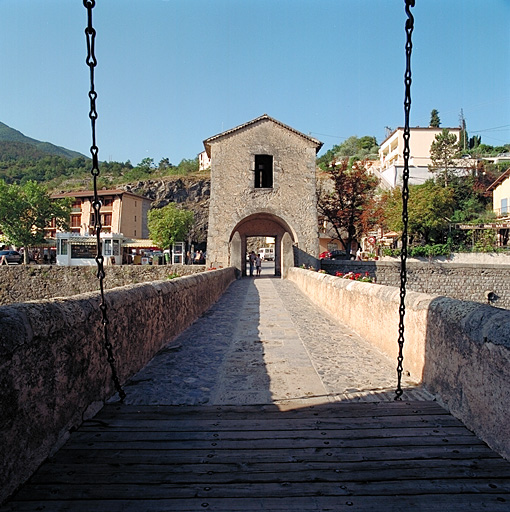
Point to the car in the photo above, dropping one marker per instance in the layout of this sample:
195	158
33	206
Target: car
339	255
325	255
12	257
266	253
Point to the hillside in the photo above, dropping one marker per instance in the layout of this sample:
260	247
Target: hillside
13	145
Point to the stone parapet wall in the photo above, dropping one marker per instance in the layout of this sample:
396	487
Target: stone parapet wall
463	281
459	350
53	368
20	283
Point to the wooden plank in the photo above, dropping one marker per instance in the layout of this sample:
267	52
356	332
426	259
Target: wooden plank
242	459
260	423
429	503
310	454
87	436
364	471
340	488
273	444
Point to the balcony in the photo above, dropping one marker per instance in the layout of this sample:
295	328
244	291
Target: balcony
502	213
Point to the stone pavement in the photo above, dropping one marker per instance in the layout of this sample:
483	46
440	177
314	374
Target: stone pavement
264	342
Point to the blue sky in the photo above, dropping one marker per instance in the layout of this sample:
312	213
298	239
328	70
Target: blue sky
172	73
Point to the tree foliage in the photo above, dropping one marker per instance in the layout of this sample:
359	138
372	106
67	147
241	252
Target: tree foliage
463	136
21	162
25	211
355	148
169	224
430	207
348	201
444	153
435	122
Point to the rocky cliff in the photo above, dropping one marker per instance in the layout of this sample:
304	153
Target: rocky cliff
191	193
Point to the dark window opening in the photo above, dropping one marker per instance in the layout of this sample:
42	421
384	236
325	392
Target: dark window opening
263	171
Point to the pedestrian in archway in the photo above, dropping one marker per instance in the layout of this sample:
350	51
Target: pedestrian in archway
252	259
258	264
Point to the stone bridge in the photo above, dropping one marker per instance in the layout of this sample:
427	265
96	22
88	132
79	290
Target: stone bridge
280	397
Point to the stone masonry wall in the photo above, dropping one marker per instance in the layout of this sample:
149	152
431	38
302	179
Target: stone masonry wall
292	198
20	283
459	350
462	281
53	368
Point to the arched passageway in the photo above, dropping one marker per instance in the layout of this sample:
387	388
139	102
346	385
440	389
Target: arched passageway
267	225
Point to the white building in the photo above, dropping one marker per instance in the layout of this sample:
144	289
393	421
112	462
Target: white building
391	156
75	249
204	161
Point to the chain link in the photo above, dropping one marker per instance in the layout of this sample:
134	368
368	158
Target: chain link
405	196
96	204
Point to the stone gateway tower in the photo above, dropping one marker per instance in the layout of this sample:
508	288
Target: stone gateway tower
263	184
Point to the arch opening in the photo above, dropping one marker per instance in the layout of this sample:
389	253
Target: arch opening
262	225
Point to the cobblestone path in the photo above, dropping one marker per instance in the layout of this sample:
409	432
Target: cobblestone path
264	342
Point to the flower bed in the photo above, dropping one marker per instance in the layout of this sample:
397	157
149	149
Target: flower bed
365	278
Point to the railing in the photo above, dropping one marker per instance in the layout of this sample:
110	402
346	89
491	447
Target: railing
502	213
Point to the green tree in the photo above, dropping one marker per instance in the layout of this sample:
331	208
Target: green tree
444	153
164	165
187	166
169	224
463	136
26	210
435	122
355	148
347	201
474	141
430	207
146	165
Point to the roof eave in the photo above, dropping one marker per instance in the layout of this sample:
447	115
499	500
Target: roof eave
208	141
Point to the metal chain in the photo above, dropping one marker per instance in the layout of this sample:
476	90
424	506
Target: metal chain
405	197
96	204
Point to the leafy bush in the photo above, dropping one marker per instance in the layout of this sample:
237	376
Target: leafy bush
393	253
421	251
427	251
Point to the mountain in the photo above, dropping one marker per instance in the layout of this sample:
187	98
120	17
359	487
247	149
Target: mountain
13	145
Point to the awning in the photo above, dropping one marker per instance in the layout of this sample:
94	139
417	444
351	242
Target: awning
81	240
139	243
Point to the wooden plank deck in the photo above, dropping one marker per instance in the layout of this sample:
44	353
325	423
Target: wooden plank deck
392	456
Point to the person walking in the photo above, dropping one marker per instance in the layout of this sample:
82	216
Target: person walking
252	259
258	264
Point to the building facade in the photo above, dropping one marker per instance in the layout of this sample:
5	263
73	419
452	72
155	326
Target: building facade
391	155
263	183
501	195
121	212
204	161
